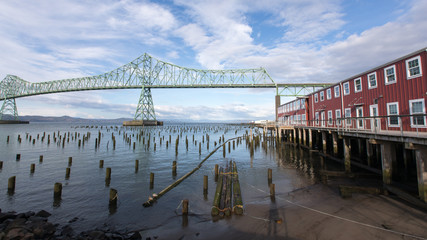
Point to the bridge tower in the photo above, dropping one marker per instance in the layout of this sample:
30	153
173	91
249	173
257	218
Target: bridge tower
145	108
9	107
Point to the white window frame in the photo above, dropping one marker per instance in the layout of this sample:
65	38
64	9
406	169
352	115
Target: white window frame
348	87
328	93
355	85
360	123
330	121
347	121
337	91
411	112
386	81
337	117
316	99
408	70
369	80
303	120
397	113
322	96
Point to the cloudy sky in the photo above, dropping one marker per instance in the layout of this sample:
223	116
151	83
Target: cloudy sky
295	40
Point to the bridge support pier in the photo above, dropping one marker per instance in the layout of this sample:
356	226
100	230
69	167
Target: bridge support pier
421	158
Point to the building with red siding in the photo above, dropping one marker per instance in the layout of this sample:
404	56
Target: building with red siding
387	97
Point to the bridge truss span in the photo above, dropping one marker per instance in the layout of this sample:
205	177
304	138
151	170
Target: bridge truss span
143	73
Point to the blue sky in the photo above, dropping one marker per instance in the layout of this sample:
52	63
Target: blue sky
295	40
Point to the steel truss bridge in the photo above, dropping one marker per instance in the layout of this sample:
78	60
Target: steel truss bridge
146	73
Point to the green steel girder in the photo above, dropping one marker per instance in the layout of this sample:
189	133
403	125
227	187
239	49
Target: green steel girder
144	71
147	72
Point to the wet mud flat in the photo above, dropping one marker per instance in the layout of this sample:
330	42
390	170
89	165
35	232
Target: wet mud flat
313	212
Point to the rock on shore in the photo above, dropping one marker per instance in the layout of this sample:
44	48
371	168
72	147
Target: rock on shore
31	225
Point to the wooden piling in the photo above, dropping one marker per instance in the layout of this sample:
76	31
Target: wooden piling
185	207
1	165
151	180
113	197
57	190
272	190
7	139
108	174
101	163
237	195
41	159
67	173
174	168
136	165
32	168
270	176
11	184
18	157
216	172
217	198
205	184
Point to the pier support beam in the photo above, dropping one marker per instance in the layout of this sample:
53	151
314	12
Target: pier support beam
388	153
347	155
421	158
310	135
335	142
324	141
369	153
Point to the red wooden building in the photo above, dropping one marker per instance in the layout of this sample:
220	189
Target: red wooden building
387	97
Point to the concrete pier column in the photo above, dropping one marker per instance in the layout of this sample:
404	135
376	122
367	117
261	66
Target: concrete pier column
335	142
324	141
347	155
369	153
310	135
388	153
421	158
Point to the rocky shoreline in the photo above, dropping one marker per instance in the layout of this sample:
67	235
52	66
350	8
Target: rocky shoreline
31	225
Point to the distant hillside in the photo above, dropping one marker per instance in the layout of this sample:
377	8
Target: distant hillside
68	119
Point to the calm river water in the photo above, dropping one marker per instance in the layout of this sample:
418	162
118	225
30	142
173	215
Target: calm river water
85	193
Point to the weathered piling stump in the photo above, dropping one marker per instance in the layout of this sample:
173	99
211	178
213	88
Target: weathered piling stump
11	185
113	198
70	161
57	190
18	157
205	185
1	165
185	207
101	163
151	180
67	173
7	139
272	190
136	166
174	168
32	168
41	159
108	174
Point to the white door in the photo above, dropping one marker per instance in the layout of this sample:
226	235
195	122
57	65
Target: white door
359	115
375	122
322	118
